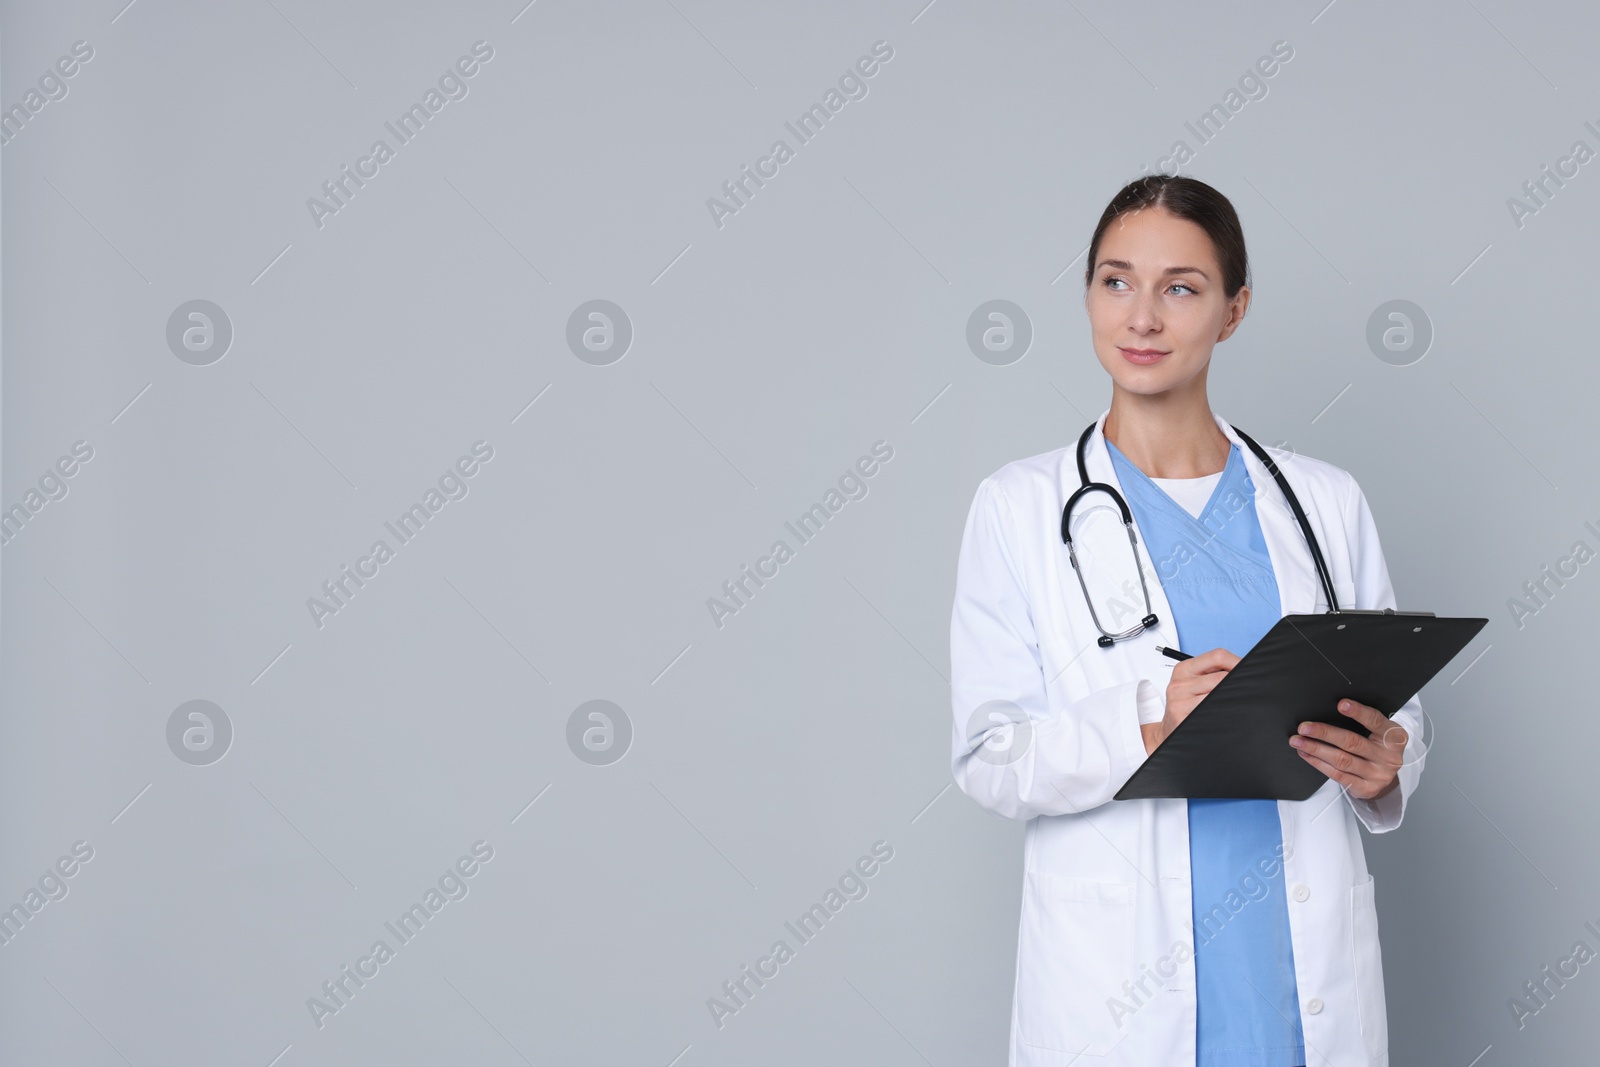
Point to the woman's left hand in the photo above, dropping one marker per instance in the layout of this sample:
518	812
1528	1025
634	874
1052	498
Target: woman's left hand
1365	766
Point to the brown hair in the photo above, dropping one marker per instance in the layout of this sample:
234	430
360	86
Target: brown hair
1185	198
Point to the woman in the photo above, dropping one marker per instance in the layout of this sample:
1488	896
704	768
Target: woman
1209	932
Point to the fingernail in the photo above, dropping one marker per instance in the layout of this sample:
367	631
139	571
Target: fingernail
1297	742
1344	705
1305	728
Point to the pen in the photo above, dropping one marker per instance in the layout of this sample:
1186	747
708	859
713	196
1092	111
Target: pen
1173	653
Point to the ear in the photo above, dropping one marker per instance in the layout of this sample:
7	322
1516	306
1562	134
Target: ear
1236	310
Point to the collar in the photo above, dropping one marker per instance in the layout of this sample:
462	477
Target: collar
1298	586
1097	460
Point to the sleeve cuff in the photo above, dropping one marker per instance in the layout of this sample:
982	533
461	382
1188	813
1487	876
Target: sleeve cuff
1152	702
1378	816
1384	814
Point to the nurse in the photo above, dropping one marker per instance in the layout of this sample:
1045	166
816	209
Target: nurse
1166	281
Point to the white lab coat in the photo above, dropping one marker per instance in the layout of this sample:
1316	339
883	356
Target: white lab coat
1106	891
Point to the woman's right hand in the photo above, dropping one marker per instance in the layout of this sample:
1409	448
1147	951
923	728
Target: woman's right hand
1192	679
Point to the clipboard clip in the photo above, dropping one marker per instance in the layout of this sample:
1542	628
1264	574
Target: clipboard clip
1379	611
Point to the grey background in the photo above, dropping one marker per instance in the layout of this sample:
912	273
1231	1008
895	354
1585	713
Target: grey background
768	355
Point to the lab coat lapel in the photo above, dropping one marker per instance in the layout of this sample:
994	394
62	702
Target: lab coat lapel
1104	543
1298	584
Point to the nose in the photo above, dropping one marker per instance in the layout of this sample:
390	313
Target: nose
1144	314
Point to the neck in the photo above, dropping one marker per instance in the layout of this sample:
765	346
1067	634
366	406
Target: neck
1167	436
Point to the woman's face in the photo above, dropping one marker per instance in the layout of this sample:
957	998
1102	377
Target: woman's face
1156	305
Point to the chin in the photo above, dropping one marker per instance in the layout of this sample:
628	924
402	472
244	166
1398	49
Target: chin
1146	381
1146	385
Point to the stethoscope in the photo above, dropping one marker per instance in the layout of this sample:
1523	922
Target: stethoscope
1107	639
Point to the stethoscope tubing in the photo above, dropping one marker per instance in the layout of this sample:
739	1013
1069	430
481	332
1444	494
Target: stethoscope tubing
1106	639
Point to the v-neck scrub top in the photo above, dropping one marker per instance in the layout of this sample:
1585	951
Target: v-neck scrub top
1212	562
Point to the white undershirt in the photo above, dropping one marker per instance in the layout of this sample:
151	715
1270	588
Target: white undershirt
1190	494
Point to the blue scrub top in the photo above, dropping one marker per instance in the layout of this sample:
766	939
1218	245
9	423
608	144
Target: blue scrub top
1219	582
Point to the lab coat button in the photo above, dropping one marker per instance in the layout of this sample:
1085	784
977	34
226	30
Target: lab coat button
1314	1005
1301	892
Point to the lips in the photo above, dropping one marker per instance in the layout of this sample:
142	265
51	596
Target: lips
1142	356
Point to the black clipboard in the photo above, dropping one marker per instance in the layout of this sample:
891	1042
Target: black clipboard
1235	743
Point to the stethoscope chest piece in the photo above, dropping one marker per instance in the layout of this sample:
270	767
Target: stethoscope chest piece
1106	638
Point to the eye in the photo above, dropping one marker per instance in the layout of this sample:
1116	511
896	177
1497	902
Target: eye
1182	285
1110	281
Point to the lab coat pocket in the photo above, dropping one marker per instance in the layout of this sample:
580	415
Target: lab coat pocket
1075	951
1368	960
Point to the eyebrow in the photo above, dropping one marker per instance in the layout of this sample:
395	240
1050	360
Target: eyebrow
1122	264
